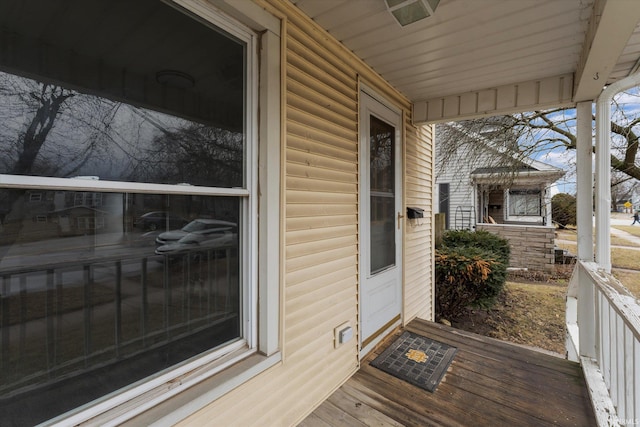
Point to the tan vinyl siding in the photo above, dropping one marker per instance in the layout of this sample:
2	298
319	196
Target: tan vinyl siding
320	185
418	249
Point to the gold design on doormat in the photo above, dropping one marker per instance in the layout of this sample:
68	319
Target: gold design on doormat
417	356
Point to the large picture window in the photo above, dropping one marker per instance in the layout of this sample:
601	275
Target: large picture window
525	203
125	197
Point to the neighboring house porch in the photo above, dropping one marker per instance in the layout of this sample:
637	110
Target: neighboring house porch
481	187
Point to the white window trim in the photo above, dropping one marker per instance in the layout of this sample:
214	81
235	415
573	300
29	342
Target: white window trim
206	378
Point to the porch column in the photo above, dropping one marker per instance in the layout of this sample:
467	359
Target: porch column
603	168
603	181
584	184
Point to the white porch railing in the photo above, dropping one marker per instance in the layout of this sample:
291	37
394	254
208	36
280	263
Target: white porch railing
603	334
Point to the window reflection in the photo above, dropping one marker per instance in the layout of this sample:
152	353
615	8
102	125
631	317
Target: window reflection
69	134
93	294
113	284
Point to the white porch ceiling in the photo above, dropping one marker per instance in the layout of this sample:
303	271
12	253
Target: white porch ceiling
484	57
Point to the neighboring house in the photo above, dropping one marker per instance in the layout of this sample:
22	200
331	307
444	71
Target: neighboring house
310	125
487	189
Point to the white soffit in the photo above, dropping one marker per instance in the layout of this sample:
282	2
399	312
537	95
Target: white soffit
485	57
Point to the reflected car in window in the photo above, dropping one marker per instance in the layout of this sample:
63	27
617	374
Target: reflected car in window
201	227
193	242
159	220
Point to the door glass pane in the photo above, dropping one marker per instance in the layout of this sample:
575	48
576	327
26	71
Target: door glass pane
382	195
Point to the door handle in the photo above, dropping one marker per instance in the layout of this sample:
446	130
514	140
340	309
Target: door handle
400	216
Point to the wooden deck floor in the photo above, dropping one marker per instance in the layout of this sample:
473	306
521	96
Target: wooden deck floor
489	383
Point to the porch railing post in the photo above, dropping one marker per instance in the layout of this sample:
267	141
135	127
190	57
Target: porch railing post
587	320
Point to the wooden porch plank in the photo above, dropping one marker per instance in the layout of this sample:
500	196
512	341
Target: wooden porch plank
471	407
489	383
336	417
393	409
360	410
314	420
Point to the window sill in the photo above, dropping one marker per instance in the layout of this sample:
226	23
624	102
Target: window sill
198	396
175	400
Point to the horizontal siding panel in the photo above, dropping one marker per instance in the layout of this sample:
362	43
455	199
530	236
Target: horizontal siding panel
299	133
332	71
422	158
318	123
316	277
419	240
300	83
302	285
336	67
311	235
313	197
320	209
419	158
319	246
326	300
319	258
418	245
301	301
298	345
298	57
309	184
300	145
321	174
311	102
320	222
418	189
297	157
313	318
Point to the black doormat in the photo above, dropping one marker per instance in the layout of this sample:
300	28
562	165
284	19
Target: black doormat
418	360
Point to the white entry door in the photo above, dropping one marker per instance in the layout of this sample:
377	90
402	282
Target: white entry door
381	220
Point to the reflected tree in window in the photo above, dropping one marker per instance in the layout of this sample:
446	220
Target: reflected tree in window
198	155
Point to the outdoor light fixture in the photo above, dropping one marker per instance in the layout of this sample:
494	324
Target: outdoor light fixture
409	11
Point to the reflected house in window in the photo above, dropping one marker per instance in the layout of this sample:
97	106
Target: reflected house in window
491	190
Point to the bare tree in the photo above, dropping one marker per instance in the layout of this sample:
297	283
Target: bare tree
491	144
537	132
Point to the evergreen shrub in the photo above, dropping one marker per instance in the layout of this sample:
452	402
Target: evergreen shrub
471	270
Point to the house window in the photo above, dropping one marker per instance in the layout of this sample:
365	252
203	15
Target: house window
87	199
35	197
149	263
525	203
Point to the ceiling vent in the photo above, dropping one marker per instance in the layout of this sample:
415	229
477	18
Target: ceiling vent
409	11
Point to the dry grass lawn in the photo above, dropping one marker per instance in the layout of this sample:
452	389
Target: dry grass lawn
531	314
531	310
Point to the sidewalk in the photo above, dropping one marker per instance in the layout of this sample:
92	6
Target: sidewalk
624	219
634	241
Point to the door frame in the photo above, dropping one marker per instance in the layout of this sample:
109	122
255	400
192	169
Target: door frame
370	101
